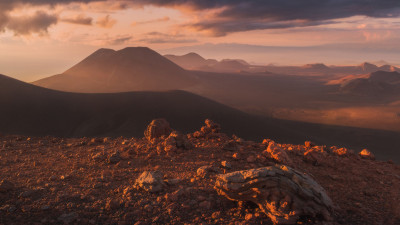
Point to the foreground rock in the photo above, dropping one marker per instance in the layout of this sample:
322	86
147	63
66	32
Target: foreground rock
284	194
275	152
176	141
156	129
151	181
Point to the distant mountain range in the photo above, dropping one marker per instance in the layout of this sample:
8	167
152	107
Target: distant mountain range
193	61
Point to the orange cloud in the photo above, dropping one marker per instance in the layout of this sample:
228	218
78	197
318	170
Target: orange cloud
106	22
79	19
163	19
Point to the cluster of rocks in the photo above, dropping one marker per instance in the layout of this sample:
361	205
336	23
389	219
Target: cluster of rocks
209	130
204	173
282	193
167	140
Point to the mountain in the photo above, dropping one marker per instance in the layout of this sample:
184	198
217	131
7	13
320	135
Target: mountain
193	61
129	69
316	66
190	61
368	67
374	84
31	110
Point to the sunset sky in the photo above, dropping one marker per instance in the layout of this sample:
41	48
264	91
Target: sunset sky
44	37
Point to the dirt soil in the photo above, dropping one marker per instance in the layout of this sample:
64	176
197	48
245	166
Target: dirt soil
49	180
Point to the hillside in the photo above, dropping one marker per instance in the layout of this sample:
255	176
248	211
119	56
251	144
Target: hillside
378	83
31	110
129	69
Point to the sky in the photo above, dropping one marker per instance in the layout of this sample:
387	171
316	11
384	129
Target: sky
39	38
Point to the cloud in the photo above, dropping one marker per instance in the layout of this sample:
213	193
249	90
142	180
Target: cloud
163	19
224	17
162	38
79	19
106	22
119	40
220	17
27	25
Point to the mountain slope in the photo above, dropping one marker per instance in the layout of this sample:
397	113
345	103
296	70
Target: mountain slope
31	110
129	69
374	84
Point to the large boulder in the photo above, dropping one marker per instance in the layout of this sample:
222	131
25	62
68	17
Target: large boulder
282	193
156	129
151	181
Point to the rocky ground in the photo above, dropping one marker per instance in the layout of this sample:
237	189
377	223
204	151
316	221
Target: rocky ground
171	179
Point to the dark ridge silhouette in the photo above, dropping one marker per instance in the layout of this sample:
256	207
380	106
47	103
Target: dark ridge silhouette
31	110
129	69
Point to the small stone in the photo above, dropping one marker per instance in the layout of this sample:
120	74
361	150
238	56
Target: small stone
205	171
151	181
226	165
114	158
366	154
309	144
216	215
249	217
236	156
341	151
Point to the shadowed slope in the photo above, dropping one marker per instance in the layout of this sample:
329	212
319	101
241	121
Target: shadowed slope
31	110
129	69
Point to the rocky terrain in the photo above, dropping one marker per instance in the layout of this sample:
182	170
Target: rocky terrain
205	177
